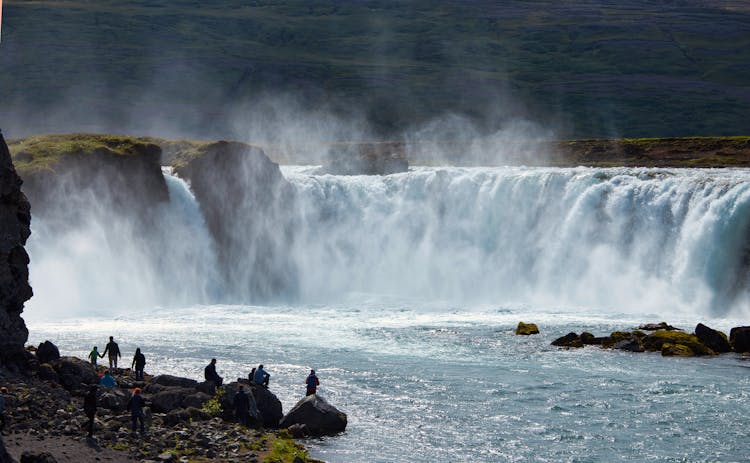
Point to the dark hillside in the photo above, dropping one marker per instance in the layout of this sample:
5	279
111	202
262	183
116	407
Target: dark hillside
590	68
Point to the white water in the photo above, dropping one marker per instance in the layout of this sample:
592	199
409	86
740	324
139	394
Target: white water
409	286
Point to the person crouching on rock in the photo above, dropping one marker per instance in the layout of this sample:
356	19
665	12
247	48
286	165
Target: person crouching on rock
312	383
135	405
210	374
107	380
139	362
242	406
261	377
89	408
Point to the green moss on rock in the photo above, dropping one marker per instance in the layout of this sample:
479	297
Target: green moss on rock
656	340
525	329
676	350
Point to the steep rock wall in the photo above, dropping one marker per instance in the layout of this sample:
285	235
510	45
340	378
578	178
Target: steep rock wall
15	219
246	202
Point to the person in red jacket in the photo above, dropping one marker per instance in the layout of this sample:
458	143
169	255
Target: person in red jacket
312	383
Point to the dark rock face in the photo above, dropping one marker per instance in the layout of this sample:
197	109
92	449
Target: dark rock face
228	408
713	339
15	219
47	352
269	406
320	417
245	201
740	338
170	399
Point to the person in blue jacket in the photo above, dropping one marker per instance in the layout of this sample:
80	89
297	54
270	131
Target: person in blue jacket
261	377
312	383
107	380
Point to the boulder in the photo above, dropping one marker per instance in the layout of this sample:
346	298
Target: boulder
569	340
739	337
615	337
174	381
656	340
206	387
47	352
676	350
114	399
268	405
298	431
185	415
713	339
320	417
526	329
170	399
74	373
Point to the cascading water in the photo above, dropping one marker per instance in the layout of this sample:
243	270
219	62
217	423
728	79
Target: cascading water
110	261
632	239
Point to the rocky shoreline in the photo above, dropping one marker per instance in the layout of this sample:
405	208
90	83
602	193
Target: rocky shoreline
186	420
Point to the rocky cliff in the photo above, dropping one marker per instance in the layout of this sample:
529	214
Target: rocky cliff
15	219
245	202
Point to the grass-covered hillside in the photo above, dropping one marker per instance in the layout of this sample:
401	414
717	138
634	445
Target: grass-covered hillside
590	68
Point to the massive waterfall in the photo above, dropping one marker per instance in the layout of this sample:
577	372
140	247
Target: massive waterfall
629	240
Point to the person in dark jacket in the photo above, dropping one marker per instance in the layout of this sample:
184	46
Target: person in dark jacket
89	408
312	383
113	351
139	362
210	373
135	405
242	406
261	377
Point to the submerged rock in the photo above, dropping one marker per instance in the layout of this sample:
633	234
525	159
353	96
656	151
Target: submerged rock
657	326
569	340
525	329
320	417
713	339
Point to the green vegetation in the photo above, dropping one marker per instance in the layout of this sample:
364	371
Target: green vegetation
43	152
285	450
213	405
657	340
603	69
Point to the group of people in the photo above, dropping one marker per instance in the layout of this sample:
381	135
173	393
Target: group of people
258	376
112	350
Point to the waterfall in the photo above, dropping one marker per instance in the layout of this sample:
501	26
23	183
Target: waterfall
619	239
651	240
107	260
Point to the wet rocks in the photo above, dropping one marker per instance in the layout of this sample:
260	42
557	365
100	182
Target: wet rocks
739	337
318	416
657	326
713	339
656	340
569	340
526	329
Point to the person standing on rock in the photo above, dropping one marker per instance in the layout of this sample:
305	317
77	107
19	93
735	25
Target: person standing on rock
135	405
210	374
89	408
94	355
242	406
312	383
3	392
114	351
261	377
139	362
